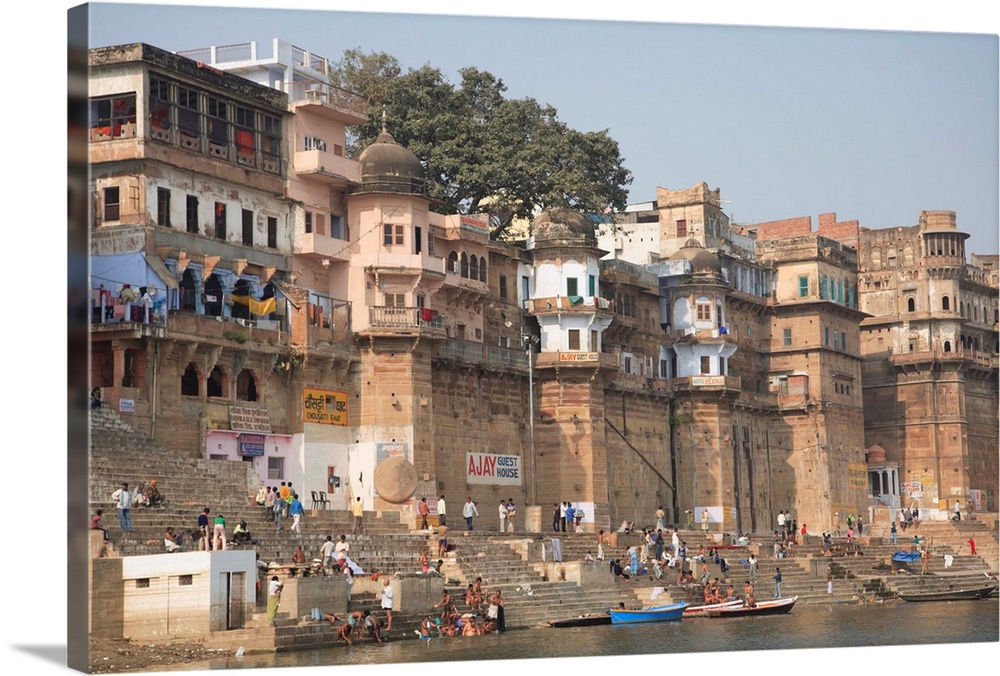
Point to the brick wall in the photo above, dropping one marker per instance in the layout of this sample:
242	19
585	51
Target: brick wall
789	227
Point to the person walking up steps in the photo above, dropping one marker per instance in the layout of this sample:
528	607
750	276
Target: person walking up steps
296	511
277	510
358	510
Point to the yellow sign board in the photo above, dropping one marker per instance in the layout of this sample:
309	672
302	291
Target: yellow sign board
857	475
326	407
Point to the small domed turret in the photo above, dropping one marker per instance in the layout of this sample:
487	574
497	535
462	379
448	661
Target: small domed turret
703	262
387	166
564	225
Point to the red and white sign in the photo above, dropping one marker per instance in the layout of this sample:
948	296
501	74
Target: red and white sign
489	468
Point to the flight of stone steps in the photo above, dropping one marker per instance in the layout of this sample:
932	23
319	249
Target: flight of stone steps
533	594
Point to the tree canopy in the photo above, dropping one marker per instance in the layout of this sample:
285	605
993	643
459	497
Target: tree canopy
484	153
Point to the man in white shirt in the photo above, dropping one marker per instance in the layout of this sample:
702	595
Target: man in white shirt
441	514
503	516
469	511
675	542
340	551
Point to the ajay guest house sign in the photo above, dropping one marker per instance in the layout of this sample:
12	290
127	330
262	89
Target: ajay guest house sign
255	424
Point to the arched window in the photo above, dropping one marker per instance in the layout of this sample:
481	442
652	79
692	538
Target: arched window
945	303
975	312
453	262
947	346
482	269
189	381
910	305
465	265
473	268
215	385
246	386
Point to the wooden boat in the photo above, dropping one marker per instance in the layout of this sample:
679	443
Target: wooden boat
770	607
952	594
702	611
582	621
655	614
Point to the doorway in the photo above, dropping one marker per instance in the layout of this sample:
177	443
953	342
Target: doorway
236	597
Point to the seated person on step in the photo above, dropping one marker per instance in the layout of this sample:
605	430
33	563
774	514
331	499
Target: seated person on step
153	494
173	541
241	534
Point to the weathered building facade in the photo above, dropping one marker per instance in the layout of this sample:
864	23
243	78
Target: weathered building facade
930	364
316	318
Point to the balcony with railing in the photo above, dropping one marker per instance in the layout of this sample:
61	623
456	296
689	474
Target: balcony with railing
696	383
396	319
989	360
498	358
326	167
693	336
570	305
328	100
322	246
328	325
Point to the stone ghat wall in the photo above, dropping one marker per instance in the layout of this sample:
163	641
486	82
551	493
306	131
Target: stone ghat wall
581	460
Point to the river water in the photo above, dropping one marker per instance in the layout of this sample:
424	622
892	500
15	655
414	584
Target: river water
912	625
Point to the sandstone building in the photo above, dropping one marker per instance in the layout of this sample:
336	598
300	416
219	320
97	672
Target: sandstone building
314	318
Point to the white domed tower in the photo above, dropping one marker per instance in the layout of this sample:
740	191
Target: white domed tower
570	462
566	299
698	315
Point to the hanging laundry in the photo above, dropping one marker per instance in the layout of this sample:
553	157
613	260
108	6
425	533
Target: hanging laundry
257	307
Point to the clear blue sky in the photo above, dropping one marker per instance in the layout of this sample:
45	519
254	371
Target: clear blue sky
875	125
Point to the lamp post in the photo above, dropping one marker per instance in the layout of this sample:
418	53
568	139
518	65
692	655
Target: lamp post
531	416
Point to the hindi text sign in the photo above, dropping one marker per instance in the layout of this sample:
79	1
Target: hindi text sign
326	407
249	419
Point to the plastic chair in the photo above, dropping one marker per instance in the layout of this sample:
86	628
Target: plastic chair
319	498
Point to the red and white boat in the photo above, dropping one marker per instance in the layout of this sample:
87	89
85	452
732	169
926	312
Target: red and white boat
704	610
769	607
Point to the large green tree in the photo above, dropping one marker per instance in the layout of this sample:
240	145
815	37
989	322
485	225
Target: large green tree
485	153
